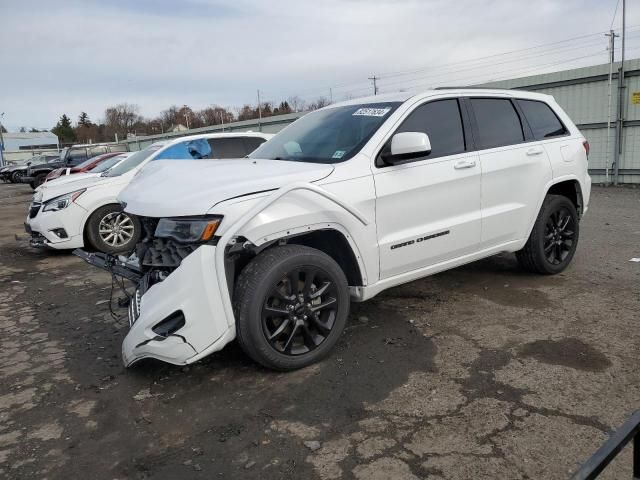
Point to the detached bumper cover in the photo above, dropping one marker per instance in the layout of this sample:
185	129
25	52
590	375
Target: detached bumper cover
192	291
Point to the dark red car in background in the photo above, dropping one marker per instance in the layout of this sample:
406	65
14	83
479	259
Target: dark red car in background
81	167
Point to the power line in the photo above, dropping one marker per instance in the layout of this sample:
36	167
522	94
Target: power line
520	59
474	64
311	92
615	12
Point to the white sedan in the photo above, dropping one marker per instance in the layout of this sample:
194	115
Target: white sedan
72	212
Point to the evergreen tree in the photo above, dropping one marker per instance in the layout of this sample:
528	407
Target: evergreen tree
63	130
83	120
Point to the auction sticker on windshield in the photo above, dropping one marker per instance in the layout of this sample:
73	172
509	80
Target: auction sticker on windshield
372	112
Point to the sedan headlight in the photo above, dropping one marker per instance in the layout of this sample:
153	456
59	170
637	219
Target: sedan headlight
62	202
188	229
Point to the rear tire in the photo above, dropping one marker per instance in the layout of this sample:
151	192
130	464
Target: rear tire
291	304
554	238
110	230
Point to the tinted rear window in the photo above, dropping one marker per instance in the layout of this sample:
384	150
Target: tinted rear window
498	122
251	143
543	122
227	147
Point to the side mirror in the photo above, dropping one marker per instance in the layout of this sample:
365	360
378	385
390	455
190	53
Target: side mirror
406	146
416	144
28	163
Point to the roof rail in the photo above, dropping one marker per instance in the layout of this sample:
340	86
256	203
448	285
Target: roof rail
471	88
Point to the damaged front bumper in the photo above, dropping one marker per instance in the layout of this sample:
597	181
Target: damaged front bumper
178	320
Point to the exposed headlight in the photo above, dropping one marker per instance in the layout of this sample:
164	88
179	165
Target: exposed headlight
188	229
62	202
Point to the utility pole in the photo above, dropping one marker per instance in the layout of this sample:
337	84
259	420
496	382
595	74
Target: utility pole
612	47
375	85
621	103
1	142
186	115
330	96
259	113
222	120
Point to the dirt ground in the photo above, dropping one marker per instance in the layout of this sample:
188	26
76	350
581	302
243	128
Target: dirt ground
482	372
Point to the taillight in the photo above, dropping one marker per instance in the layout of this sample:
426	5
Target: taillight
585	144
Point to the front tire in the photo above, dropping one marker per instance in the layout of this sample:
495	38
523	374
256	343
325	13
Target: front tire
291	304
39	180
15	177
110	230
554	239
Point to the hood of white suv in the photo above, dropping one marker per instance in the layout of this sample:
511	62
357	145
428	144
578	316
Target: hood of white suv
170	188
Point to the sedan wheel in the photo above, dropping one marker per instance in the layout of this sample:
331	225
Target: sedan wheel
111	230
116	229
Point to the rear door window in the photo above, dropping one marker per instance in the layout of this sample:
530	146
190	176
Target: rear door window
543	121
227	147
498	122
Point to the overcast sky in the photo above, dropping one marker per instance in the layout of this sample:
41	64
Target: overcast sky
71	56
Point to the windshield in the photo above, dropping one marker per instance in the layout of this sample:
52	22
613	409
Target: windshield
134	160
107	164
327	136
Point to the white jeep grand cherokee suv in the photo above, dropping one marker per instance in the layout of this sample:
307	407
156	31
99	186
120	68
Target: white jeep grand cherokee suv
346	202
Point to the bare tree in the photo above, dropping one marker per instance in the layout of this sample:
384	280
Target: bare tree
247	112
215	115
169	117
319	103
121	118
296	103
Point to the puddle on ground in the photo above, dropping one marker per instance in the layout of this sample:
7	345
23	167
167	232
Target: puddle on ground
568	352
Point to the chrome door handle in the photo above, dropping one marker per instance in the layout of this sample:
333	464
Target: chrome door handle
464	164
534	151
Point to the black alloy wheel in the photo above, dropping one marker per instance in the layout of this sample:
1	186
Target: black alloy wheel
291	303
300	311
559	236
553	239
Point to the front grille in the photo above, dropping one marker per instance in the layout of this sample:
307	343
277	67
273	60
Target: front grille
164	253
34	209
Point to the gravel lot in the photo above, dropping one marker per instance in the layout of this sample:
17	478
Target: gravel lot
482	372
